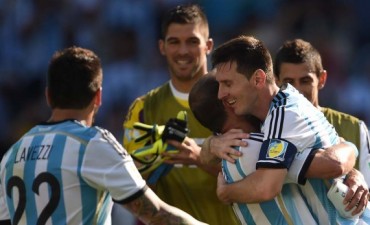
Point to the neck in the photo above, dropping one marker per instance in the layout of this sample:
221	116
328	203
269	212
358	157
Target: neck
185	86
81	115
266	98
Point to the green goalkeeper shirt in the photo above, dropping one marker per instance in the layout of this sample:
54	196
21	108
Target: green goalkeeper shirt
186	186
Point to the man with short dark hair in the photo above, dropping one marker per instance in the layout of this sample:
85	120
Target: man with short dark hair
67	171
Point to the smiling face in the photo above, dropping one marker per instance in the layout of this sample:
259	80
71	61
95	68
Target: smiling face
304	79
235	90
185	48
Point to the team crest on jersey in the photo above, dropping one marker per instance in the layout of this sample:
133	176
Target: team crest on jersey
277	149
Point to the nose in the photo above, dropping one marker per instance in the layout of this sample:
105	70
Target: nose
183	49
221	92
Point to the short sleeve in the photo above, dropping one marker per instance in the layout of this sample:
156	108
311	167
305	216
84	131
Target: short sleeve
276	153
107	165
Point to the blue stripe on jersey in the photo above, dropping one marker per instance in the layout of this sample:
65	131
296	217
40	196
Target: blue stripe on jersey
227	175
274	215
246	214
28	177
55	162
289	204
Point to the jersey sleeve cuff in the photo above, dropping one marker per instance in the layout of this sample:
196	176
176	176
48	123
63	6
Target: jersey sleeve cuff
302	175
132	197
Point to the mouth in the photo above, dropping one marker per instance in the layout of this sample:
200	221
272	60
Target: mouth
182	62
229	102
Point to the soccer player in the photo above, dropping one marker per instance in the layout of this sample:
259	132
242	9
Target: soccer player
189	185
66	171
292	127
288	205
299	63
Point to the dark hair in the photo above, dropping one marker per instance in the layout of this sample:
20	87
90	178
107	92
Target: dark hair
249	54
206	107
298	51
74	76
185	14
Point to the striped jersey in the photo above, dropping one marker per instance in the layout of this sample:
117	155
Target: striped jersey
287	208
293	129
67	173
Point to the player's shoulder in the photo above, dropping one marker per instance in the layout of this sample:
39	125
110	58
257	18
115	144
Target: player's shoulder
105	136
156	91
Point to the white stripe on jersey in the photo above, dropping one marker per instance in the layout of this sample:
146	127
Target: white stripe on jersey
70	159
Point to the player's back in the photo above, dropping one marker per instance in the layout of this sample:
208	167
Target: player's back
288	207
43	177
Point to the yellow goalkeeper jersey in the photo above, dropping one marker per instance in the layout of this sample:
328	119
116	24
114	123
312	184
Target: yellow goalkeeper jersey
186	187
347	127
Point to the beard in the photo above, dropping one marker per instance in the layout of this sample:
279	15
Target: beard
185	76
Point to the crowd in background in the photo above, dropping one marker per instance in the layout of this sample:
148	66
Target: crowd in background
124	34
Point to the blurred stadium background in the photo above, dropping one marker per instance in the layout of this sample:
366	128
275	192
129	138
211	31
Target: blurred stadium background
124	34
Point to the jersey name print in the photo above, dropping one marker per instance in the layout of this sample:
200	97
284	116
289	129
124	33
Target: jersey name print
38	152
58	172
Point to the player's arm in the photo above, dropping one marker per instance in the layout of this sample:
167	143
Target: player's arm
275	158
189	154
113	170
152	210
262	185
206	157
333	162
339	160
358	192
221	146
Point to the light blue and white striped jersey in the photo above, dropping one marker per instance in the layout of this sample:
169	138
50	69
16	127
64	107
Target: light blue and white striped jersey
287	208
293	129
67	173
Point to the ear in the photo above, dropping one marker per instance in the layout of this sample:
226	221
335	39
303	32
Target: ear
210	45
161	47
259	78
322	79
98	97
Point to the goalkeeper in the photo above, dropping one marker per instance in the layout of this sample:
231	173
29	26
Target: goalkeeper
189	184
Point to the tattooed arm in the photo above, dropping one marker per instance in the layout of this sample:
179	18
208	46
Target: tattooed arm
150	209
